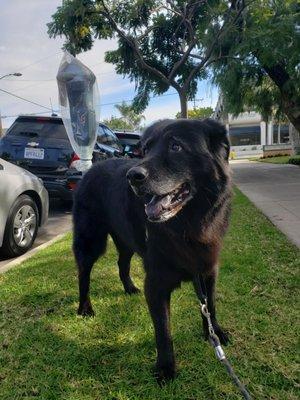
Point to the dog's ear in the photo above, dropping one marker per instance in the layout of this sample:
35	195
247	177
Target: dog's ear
217	136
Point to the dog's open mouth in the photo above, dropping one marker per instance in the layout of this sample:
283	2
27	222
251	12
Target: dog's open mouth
161	208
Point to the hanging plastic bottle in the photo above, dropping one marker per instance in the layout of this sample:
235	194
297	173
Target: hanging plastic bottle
79	104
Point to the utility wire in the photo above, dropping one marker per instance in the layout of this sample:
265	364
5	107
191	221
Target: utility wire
54	79
35	113
38	61
28	86
22	98
51	80
101	105
29	80
126	101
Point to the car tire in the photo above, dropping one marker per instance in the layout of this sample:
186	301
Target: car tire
21	227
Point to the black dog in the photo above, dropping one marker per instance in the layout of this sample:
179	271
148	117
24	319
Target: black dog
171	207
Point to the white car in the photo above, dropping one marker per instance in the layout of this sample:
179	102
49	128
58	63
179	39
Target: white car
24	207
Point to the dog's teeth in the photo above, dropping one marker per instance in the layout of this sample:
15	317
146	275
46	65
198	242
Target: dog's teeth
159	204
165	201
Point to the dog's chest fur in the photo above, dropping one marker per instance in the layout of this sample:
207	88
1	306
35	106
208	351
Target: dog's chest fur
189	247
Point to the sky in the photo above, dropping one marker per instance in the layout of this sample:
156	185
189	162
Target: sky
26	48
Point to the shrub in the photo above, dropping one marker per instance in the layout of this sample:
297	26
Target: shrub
277	155
294	160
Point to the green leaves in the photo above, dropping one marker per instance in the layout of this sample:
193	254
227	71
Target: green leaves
129	119
198	113
161	43
260	70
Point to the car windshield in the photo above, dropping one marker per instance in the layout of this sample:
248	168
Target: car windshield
38	128
107	137
129	141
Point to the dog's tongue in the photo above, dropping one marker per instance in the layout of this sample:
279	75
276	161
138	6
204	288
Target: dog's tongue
156	206
153	208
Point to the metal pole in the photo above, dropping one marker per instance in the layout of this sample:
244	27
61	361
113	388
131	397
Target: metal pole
1	77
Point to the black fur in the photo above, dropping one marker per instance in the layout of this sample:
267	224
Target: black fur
175	242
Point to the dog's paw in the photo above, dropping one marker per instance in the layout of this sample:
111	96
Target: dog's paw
220	332
86	310
164	373
222	335
132	290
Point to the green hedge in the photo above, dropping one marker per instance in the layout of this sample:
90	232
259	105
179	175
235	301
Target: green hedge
294	160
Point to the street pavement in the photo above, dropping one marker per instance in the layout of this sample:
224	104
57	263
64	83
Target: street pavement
60	221
275	190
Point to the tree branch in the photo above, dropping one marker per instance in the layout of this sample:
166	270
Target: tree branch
192	39
134	45
205	61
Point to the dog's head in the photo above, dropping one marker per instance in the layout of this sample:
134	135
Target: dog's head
182	159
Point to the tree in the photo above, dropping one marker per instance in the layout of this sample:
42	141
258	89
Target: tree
261	69
161	43
129	115
117	124
129	120
198	113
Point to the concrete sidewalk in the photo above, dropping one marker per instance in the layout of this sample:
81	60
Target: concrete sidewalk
275	190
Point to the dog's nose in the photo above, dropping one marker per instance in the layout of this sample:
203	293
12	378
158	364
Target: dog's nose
137	175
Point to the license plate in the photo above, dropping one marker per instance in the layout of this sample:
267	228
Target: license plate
37	154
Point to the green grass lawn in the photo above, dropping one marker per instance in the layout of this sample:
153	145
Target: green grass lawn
47	352
273	160
276	160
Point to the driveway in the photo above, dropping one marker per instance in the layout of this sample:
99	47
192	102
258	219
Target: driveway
275	190
60	221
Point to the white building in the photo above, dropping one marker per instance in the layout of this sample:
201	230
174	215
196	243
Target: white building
248	133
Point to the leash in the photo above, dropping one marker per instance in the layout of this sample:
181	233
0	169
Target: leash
213	338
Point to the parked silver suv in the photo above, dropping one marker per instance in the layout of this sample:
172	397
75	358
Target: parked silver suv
24	207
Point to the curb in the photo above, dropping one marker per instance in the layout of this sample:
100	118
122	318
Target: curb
30	253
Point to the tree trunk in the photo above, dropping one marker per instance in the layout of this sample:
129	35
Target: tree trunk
183	104
295	140
290	99
292	111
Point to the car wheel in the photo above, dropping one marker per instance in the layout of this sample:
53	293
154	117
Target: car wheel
21	227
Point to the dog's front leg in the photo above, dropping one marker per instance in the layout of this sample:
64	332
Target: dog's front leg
210	287
158	299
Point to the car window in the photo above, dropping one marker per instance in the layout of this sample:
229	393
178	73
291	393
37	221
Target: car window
106	136
131	142
32	129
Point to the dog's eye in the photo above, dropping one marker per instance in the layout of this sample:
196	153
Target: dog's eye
175	147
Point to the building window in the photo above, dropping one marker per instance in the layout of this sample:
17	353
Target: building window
275	134
284	134
281	134
244	135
